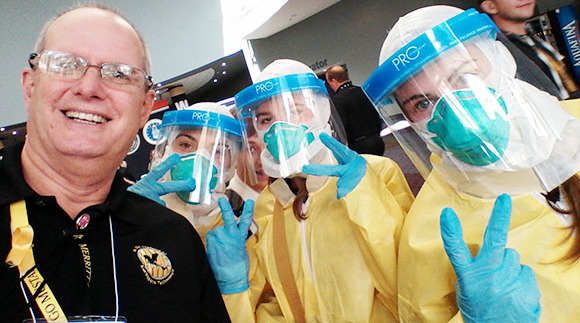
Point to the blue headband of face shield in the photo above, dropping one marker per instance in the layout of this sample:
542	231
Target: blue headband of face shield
200	118
423	49
248	98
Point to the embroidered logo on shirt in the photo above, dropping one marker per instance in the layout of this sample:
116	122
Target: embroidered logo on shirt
155	264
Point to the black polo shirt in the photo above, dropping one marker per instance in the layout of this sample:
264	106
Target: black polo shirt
161	268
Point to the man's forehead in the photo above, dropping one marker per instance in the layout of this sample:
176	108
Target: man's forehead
82	15
91	24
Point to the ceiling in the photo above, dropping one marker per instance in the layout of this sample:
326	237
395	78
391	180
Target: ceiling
292	12
212	82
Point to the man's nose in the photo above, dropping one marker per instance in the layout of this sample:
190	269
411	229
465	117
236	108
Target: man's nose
90	84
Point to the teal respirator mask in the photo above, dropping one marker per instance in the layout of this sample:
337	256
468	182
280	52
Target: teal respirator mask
284	140
208	140
205	173
472	125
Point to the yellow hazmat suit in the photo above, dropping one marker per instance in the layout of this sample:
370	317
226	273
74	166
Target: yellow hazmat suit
426	277
485	133
202	224
572	107
343	255
537	232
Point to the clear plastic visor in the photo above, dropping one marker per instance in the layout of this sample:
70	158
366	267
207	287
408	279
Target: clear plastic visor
209	155
297	108
288	125
482	129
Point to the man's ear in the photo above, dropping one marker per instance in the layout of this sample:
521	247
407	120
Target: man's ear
488	7
27	82
147	107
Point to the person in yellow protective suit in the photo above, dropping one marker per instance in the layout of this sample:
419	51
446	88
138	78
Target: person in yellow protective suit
477	132
326	246
194	158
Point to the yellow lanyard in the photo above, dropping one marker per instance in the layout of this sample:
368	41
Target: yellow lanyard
22	257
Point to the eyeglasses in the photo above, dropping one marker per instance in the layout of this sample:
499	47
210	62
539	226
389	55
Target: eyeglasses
69	66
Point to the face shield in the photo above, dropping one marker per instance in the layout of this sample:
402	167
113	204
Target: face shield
249	167
208	143
469	118
288	114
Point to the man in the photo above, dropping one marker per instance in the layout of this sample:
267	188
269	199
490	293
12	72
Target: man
97	249
546	70
361	121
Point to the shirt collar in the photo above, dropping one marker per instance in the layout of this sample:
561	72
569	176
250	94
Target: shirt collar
526	39
242	189
14	188
116	201
344	86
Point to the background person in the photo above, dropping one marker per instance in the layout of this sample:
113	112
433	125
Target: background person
249	179
361	122
486	133
510	16
340	235
99	249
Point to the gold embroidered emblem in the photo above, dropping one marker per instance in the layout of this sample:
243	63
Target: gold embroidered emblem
155	264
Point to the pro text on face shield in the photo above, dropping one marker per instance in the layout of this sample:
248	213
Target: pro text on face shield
264	87
410	54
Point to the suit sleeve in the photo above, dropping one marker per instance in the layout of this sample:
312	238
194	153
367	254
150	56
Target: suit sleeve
377	219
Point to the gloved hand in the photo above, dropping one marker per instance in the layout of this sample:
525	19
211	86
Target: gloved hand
493	286
226	249
149	187
350	169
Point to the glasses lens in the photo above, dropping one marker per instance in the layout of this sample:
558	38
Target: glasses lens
67	65
64	65
122	74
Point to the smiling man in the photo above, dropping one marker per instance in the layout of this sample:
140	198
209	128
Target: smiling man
76	242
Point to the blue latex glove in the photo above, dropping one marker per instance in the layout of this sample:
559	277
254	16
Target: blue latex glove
350	169
150	187
226	249
493	286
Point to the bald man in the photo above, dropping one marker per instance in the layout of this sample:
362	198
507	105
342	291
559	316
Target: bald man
76	242
361	121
